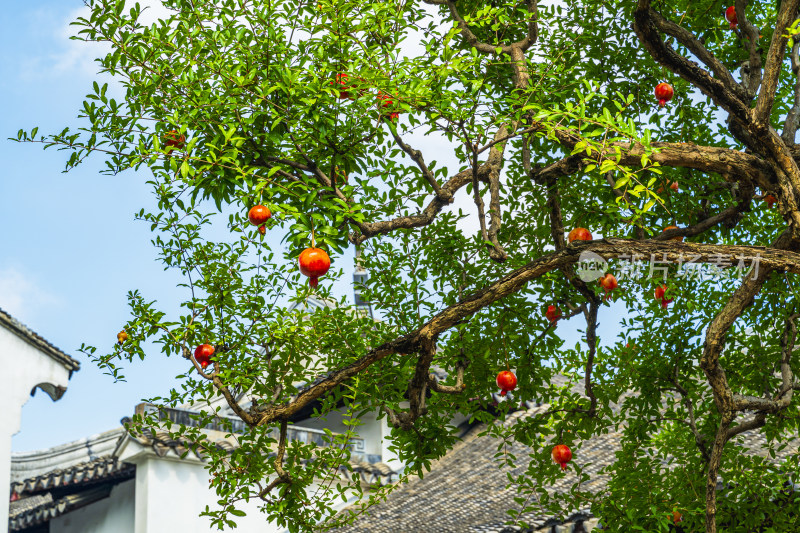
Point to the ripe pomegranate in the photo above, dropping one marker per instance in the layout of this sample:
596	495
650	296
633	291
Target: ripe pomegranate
660	294
173	139
579	234
770	200
677	517
202	354
122	336
730	16
660	291
386	102
507	381
553	313
608	282
258	214
562	455
664	93
678	238
314	263
671	185
343	86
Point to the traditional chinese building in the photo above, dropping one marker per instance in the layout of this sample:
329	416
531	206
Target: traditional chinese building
29	363
116	482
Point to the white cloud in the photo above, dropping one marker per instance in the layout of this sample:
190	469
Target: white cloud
20	296
78	57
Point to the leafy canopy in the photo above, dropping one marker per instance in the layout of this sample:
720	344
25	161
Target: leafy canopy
395	125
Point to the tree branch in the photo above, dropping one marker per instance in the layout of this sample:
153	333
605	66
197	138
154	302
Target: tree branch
720	92
774	62
441	194
667	251
790	124
688	40
752	69
283	475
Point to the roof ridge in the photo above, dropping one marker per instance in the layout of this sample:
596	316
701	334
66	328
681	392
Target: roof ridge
37	341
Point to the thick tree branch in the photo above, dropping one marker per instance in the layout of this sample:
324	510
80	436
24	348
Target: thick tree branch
469	36
670	251
754	423
688	40
725	96
732	165
591	341
774	62
713	469
790	124
752	69
419	382
716	334
533	26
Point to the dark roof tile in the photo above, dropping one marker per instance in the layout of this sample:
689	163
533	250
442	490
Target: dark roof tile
35	340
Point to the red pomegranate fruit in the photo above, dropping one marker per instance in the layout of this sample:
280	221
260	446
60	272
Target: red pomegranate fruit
314	263
259	214
386	103
679	238
507	382
562	455
579	234
661	294
202	354
730	16
173	139
664	93
342	84
553	313
608	282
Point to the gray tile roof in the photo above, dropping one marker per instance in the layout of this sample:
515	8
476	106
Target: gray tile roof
35	340
465	491
30	512
99	469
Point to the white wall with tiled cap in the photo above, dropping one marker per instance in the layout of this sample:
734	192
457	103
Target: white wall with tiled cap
27	465
170	494
114	514
24	367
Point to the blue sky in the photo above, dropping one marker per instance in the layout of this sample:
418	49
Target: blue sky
70	246
71	249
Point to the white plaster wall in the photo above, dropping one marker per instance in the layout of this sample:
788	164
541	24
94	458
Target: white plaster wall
24	367
114	514
171	494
